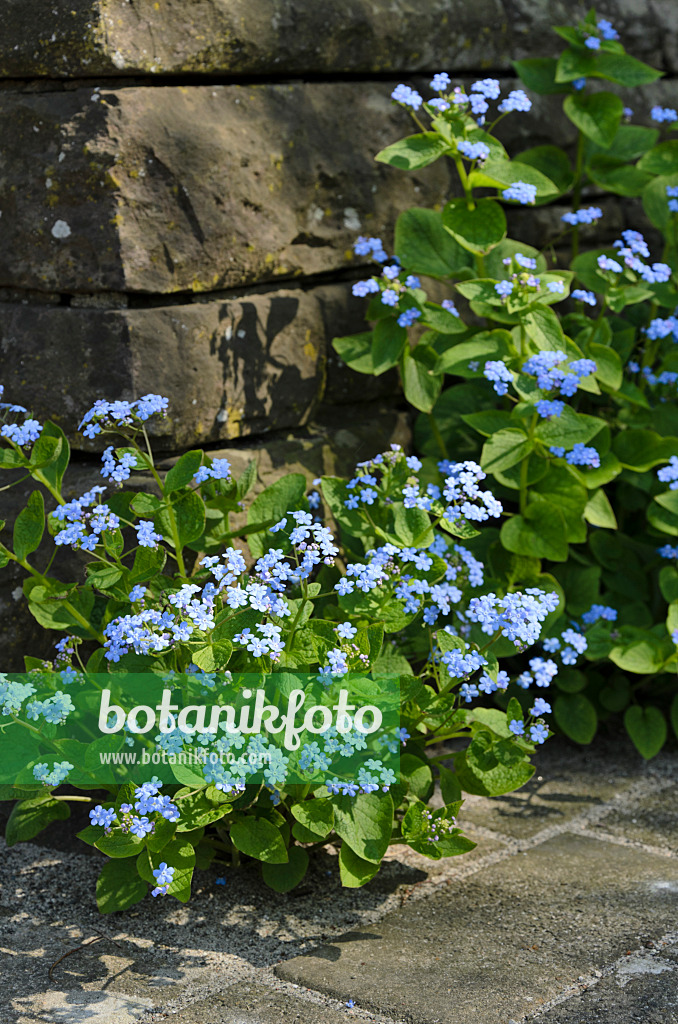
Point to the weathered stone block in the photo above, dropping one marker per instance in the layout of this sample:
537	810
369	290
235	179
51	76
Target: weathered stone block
116	37
512	937
230	368
212	187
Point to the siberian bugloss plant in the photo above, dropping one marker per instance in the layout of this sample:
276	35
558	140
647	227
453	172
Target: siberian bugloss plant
556	370
182	596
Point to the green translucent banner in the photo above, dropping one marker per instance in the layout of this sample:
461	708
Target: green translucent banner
217	729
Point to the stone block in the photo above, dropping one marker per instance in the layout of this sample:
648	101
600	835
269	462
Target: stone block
114	37
641	989
247	1003
508	939
653	821
231	368
197	189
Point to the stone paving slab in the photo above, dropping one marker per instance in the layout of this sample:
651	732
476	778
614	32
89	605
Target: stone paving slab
259	1004
567	783
512	937
642	989
653	822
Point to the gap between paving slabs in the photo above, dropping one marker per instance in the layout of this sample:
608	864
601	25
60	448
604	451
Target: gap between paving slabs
177	959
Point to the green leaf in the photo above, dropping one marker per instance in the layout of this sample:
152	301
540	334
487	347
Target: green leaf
284	877
568	429
388	341
356	351
622	180
258	838
668	583
353	870
45	450
504	449
103	575
488	422
189	512
214	657
663	159
273	504
539	74
597	115
642	656
424	246
119	886
420	383
609	366
29	817
414	151
643	449
569	680
117	844
477	230
481	347
576	716
553	163
543	326
647	729
615	67
500	779
29	526
54	470
599	511
655	201
540	532
502	173
413	527
315	815
365	823
183	472
148	562
417	776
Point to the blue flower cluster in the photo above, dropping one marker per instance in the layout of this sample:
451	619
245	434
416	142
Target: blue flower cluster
546	367
520	192
81	526
587	215
104	416
669	474
664	115
580	455
476	99
633	249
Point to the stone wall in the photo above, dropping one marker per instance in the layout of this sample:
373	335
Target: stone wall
181	182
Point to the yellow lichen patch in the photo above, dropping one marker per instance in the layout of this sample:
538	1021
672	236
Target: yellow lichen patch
310	351
234	418
269	258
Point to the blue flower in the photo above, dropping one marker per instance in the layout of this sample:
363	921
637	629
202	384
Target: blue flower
440	82
517	727
516	100
407	97
408	317
499	374
583	296
520	192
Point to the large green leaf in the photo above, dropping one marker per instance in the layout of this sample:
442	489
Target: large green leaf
539	74
365	823
553	163
423	246
540	532
180	855
315	815
504	449
576	716
119	886
414	151
502	778
643	449
477	230
29	526
183	472
29	817
259	838
647	729
568	429
422	383
284	877
502	173
597	115
356	351
480	348
388	341
189	513
353	870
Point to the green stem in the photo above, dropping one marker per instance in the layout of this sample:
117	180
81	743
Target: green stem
576	194
438	437
66	604
178	553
